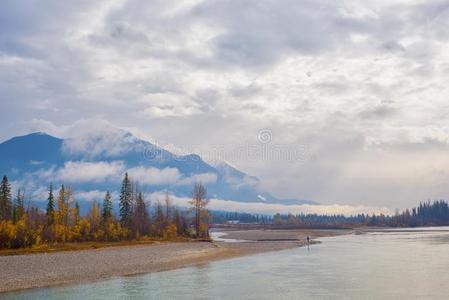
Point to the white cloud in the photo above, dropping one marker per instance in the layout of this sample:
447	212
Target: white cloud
96	137
238	183
94	195
78	171
154	176
204	178
366	82
266	208
103	171
167	176
32	190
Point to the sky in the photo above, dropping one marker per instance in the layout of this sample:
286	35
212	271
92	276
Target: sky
339	102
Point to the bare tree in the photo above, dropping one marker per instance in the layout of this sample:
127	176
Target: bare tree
159	220
199	203
168	208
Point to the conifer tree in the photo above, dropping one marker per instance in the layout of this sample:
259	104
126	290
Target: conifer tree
168	208
76	213
18	209
107	208
14	214
51	206
180	223
61	205
141	219
20	202
126	202
159	220
5	200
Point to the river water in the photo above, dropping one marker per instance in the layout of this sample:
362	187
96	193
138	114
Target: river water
387	265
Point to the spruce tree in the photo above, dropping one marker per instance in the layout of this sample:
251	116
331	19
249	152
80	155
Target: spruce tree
141	218
20	202
179	222
51	206
159	220
76	213
107	208
18	209
125	202
61	205
5	200
14	214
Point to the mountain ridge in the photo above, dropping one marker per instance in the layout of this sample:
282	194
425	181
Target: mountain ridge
97	161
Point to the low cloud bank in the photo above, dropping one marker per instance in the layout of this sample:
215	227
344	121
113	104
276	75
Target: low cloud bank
267	208
41	193
103	171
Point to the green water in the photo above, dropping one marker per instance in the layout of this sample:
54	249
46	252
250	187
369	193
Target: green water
404	265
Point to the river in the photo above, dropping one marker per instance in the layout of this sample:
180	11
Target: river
385	265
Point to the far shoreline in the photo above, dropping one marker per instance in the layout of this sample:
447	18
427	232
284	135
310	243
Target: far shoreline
52	269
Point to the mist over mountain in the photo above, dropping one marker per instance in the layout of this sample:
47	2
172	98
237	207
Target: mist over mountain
95	162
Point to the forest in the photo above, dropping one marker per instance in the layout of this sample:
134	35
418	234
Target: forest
428	213
25	226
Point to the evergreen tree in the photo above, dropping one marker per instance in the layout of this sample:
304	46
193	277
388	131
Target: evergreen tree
141	219
5	200
180	222
159	220
20	200
107	208
14	214
168	208
19	209
51	206
126	202
61	205
76	213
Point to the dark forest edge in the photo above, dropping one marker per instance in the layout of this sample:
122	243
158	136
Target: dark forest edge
426	214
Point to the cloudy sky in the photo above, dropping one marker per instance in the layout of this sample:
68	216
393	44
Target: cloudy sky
352	94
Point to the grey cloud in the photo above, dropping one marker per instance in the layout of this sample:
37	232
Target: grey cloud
316	73
260	33
378	112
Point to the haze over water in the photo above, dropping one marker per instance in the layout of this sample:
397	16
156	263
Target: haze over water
387	265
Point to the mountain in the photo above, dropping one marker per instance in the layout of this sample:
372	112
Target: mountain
95	162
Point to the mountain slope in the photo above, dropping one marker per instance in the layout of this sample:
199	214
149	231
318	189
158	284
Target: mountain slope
30	152
96	162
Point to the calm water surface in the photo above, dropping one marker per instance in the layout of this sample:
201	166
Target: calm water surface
390	265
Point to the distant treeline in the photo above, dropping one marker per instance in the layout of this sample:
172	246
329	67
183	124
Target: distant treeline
426	214
222	217
24	226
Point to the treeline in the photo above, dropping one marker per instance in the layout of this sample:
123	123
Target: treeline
426	214
221	217
61	222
